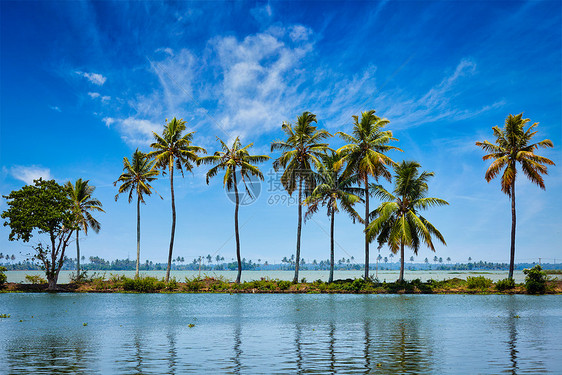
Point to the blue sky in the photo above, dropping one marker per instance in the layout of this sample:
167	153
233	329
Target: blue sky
85	83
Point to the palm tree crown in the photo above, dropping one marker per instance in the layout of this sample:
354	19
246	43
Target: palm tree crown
396	222
172	148
137	176
302	150
513	146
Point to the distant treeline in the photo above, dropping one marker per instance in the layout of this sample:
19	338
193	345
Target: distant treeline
100	264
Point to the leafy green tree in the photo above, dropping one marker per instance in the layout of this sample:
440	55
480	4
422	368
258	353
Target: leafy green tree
81	195
301	151
237	163
513	145
42	208
137	175
173	150
334	191
397	222
365	156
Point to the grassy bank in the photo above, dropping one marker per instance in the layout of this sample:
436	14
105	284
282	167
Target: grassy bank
122	284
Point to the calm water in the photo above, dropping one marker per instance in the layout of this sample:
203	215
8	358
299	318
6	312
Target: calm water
64	277
254	333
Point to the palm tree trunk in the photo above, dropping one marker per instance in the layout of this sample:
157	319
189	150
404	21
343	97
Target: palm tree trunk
173	222
366	178
513	221
77	255
401	278
138	237
331	278
299	227
236	231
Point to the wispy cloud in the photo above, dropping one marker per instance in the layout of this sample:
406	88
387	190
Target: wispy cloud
55	108
135	132
95	78
29	173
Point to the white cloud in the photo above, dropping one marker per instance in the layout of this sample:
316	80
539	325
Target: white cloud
55	108
135	132
95	78
105	98
29	173
299	33
94	95
108	121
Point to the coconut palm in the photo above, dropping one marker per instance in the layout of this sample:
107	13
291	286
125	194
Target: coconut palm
513	146
83	204
173	150
364	155
300	152
396	222
239	168
334	191
136	178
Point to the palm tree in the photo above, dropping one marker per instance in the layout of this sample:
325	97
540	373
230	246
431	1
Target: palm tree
301	150
513	146
365	157
397	221
332	187
81	195
136	177
237	163
173	150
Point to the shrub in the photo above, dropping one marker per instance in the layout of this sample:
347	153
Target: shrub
505	284
3	276
35	279
145	284
284	284
478	282
193	285
535	281
172	284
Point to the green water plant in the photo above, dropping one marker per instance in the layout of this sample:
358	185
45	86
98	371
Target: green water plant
478	282
505	284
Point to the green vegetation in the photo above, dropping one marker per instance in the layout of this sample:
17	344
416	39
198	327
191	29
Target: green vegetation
535	281
81	195
172	150
4	316
46	208
136	177
553	272
35	279
397	221
505	284
237	162
301	151
478	282
3	276
364	155
512	147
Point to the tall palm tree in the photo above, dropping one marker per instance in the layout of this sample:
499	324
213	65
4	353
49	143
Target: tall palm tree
81	195
396	221
136	178
364	155
513	146
333	188
300	151
237	163
174	150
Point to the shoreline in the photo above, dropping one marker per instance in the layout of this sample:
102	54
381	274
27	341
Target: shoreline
267	286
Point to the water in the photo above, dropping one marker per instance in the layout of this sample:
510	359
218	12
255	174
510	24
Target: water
278	333
64	277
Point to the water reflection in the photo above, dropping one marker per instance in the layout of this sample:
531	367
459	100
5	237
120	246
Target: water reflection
283	334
